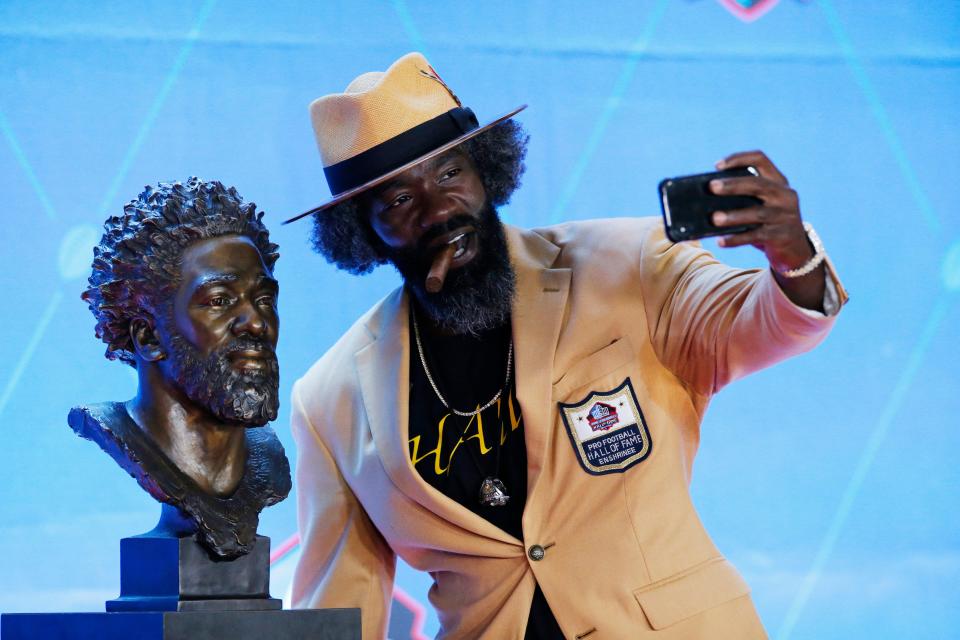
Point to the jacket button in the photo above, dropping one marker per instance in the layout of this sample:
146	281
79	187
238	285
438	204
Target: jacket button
536	552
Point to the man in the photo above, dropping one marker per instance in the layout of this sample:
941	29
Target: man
521	417
183	291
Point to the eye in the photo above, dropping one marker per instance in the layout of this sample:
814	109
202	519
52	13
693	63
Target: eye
399	200
218	301
450	173
267	300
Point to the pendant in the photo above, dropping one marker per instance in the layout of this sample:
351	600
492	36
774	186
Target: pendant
493	493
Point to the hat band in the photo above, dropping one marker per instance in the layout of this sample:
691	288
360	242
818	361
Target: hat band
399	150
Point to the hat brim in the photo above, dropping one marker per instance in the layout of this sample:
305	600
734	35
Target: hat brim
351	193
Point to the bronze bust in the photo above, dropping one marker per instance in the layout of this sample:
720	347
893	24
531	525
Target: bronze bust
183	291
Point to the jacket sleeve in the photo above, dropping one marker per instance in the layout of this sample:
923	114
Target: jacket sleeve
344	561
711	324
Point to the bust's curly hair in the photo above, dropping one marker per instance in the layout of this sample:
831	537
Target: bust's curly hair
346	239
136	266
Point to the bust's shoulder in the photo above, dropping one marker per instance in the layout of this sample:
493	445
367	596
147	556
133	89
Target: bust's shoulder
99	415
267	460
109	425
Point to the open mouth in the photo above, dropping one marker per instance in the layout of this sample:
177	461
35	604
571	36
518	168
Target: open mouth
464	242
461	243
451	251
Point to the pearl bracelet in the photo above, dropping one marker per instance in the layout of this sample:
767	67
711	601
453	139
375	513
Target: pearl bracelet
812	263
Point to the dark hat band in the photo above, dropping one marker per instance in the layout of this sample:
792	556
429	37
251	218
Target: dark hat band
399	150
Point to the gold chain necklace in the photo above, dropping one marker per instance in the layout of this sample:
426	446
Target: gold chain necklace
426	370
493	493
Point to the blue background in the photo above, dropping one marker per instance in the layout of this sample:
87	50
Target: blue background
831	480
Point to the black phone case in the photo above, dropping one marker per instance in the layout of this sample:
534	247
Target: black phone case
687	205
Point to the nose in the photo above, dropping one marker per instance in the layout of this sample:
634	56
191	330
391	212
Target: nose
439	207
249	321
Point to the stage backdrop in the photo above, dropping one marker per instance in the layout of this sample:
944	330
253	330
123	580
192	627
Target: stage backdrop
831	481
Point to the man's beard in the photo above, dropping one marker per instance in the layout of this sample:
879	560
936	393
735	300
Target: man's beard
474	298
250	397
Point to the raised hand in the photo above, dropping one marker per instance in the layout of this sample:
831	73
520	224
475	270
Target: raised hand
779	232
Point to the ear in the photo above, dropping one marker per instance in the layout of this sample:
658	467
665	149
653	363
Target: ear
143	334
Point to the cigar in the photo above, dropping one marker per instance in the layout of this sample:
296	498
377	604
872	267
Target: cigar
441	264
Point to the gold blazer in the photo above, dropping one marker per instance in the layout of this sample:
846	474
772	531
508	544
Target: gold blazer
619	553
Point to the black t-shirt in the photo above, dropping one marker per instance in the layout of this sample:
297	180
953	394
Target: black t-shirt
455	454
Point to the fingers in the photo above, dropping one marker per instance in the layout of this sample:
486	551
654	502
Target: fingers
773	223
771	192
750	215
757	159
779	234
766	219
766	236
739	239
746	186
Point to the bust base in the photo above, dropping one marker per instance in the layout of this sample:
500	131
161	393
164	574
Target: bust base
165	573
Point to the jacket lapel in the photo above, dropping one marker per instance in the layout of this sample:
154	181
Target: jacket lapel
383	367
537	316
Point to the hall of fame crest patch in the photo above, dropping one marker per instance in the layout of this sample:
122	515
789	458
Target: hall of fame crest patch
607	430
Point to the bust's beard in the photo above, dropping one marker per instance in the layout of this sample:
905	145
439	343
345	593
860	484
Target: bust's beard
248	397
475	298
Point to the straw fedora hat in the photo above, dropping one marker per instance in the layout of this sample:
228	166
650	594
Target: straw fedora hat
386	122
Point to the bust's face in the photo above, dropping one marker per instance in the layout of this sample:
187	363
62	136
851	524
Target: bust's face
221	331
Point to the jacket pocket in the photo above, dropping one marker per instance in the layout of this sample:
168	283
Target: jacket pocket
705	586
593	367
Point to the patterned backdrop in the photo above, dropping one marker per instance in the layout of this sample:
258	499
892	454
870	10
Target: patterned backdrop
831	481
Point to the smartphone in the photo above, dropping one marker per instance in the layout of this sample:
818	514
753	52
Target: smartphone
688	205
